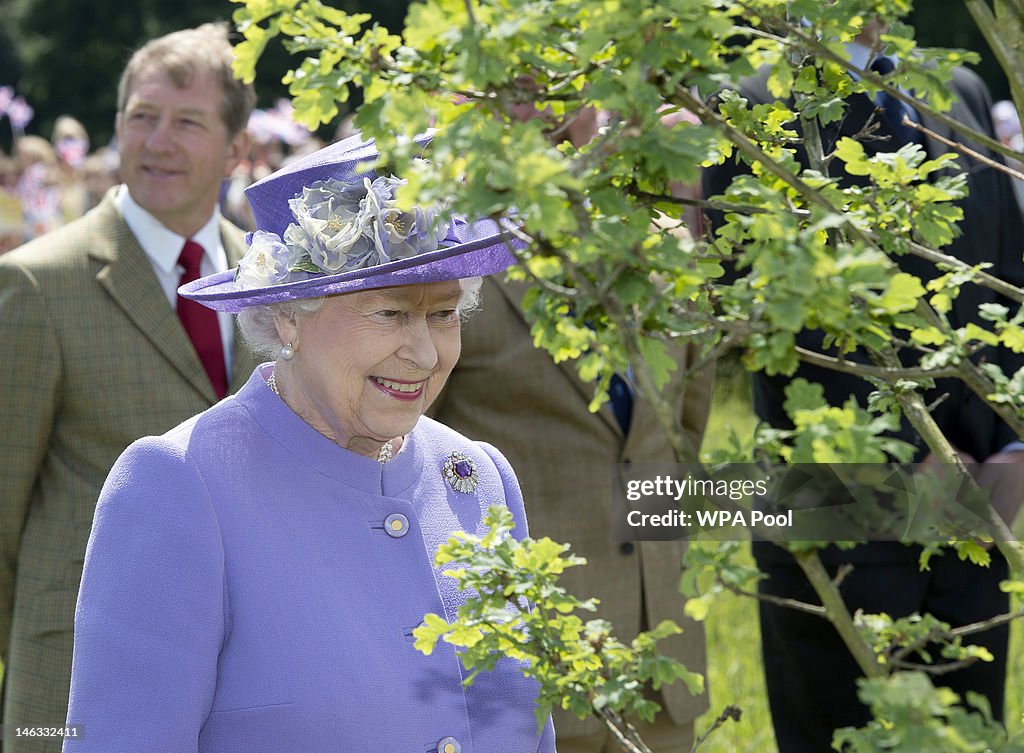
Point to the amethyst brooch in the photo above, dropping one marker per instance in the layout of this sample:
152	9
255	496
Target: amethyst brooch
460	472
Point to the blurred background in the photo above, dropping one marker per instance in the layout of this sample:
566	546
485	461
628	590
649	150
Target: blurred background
63	57
59	65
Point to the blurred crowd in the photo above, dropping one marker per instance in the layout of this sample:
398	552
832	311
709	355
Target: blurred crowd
46	183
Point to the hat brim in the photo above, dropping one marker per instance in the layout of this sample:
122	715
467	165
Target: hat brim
475	258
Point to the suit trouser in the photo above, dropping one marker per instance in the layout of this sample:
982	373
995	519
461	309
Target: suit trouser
811	675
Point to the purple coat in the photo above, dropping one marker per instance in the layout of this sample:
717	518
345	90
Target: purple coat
242	593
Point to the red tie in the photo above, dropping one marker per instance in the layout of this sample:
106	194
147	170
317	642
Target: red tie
201	323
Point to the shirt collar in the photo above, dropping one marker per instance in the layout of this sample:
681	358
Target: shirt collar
163	246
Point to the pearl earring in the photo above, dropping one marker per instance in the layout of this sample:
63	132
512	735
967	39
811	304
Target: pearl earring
287	352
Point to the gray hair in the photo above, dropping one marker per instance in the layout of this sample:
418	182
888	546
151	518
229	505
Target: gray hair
259	328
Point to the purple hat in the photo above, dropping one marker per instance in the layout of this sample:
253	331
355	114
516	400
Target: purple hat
325	227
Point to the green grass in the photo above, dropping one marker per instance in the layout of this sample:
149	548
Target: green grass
735	674
1015	681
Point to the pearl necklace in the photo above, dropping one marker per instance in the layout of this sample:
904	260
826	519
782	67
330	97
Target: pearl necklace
386	450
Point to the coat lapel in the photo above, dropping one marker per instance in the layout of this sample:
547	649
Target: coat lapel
128	277
514	292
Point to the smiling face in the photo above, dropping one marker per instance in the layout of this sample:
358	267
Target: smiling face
368	364
175	148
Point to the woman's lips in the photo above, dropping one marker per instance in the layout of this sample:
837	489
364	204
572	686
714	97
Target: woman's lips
398	389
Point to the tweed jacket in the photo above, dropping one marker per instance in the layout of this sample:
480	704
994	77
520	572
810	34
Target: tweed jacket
95	359
506	391
251	587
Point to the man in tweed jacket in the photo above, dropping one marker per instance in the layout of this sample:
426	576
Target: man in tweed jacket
96	355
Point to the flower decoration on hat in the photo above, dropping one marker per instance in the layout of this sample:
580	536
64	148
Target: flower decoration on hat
329	225
340	226
268	261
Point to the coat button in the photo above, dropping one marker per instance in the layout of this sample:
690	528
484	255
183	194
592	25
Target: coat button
627	547
449	745
396	525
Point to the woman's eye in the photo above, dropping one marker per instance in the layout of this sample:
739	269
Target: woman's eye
447	315
388	313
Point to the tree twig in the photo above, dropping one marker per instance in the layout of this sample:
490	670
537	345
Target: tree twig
842	573
963	148
981	277
983	625
864	370
964	630
729	712
631	743
935	669
838	614
1004	47
720	206
981	385
780	601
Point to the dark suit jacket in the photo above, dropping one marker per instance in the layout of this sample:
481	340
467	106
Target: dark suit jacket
507	392
95	358
808	702
991	231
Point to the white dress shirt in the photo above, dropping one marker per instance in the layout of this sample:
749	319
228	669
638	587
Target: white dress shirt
163	247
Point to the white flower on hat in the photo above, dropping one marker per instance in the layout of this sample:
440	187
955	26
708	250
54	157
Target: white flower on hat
267	262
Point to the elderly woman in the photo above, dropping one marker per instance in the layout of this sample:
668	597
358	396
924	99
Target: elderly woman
254	575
